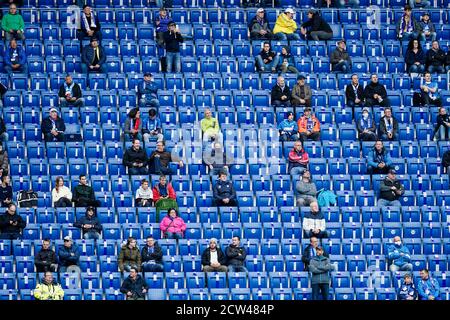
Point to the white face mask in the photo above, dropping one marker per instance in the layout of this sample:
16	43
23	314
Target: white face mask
365	115
398	243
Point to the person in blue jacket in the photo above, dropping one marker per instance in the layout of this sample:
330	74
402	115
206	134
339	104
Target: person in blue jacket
428	287
378	160
15	58
400	256
148	92
69	255
289	129
407	290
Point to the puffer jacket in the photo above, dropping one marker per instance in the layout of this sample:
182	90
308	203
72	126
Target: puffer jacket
372	156
298	159
43	259
129	256
428	287
7	227
284	25
395	254
320	268
176	225
223	190
407	290
48	291
65	257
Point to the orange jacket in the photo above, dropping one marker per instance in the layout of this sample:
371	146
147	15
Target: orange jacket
302	122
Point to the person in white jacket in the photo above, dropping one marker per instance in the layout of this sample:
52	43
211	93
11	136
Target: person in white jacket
314	223
144	195
61	195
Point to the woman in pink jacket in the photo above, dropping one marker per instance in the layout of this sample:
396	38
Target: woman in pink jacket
172	226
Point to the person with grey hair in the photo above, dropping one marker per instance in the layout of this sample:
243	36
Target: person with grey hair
281	94
305	190
213	258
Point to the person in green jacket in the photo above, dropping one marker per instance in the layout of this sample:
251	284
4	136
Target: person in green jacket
210	128
13	24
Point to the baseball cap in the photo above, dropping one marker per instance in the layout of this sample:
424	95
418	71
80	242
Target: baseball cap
312	10
366	109
148	74
392	171
289	10
260	10
301	77
426	13
94	39
54	110
67	238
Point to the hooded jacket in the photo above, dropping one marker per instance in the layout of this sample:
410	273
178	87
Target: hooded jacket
236	255
148	88
298	159
288	126
7	227
320	268
131	156
48	291
134	286
92	220
399	255
285	25
156	255
314	221
223	190
407	290
428	287
172	225
47	125
385	189
286	58
65	257
43	259
206	256
372	157
129	256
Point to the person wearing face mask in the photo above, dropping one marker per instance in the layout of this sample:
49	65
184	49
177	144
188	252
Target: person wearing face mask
366	127
407	290
399	256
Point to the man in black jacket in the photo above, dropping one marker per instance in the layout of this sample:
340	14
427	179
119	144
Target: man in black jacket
213	258
388	126
172	39
152	256
281	94
83	195
45	259
435	59
94	58
442	128
53	127
90	24
224	193
310	251
375	93
316	28
236	255
11	224
135	286
90	225
259	26
390	191
70	94
135	159
267	59
354	93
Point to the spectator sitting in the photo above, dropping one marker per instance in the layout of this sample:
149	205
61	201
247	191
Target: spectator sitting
45	259
375	93
210	128
301	94
236	255
388	126
442	129
447	63
144	195
320	268
340	59
407	290
407	27
399	256
135	159
285	26
298	159
70	94
15	58
172	226
134	286
366	127
13	24
148	92
310	251
428	287
213	258
378	159
152	256
172	39
69	256
4	136
164	196
288	128
94	58
152	127
259	27
3	90
217	160
61	195
429	92
446	162
267	59
53	127
435	59
419	3
223	192
281	94
309	126
316	28
6	193
90	24
314	223
133	125
305	190
390	191
11	224
428	31
354	93
162	25
48	288
286	62
90	225
415	57
129	256
83	195
160	159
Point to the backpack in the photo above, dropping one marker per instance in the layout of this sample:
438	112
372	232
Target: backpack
27	198
325	198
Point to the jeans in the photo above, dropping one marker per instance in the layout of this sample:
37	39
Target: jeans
289	136
370	102
159	169
77	103
369	136
384	137
174	235
130	137
102	69
63	203
442	133
421	4
320	235
97	34
4	137
279	102
352	104
431	36
173	60
407	36
321	35
387	203
10	236
234	269
297	170
377	170
323	288
417	68
287	36
267	67
343	67
15	35
50	137
149	101
137	171
404	267
128	265
148	136
23	69
436	69
92	235
313	136
152	267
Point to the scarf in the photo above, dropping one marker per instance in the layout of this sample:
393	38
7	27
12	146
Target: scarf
379	156
355	90
366	124
406	27
135	123
163	190
86	22
69	88
260	21
389	124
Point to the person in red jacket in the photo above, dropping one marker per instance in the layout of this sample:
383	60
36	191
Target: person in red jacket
172	226
298	159
309	126
164	196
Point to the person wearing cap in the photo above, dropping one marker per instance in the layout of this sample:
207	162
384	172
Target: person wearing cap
378	159
316	28
267	59
285	26
305	190
428	31
13	24
419	3
301	93
259	27
61	195
375	93
133	125
354	93
224	193
70	93
298	159
69	255
172	39
94	58
286	62
90	24
53	127
442	128
148	92
367	131
320	267
136	159
407	290
15	58
309	126
90	225
340	59
210	128
152	128
390	191
11	224
213	258
435	58
388	126
415	57
399	256
288	128
407	27
152	256
428	287
161	23
281	94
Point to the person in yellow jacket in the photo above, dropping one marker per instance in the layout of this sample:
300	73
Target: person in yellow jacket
48	289
210	128
286	27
